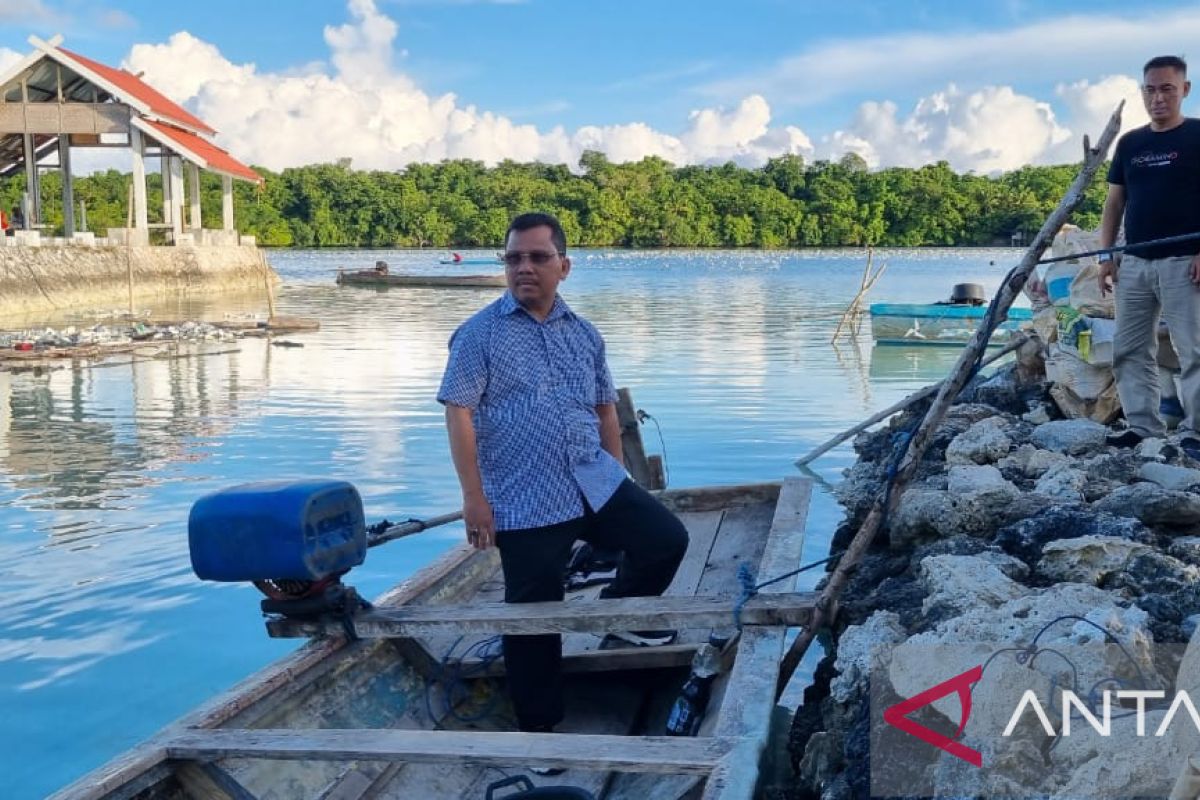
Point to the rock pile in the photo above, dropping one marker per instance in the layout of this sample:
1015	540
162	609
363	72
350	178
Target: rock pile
1015	518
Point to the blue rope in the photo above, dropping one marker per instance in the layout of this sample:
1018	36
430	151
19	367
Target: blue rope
749	588
452	675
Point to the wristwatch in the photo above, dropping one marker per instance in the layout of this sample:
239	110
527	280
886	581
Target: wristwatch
1104	258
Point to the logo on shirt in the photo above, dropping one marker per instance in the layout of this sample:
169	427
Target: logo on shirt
1154	159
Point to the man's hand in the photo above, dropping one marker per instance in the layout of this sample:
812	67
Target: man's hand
1195	270
481	524
1108	274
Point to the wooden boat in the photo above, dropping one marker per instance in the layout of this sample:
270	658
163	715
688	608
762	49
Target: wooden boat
938	323
368	718
370	277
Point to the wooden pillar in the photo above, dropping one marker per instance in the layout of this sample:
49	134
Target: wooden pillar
194	191
138	145
68	190
176	168
226	203
33	212
164	170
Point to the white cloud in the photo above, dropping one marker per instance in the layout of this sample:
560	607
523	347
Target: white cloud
26	11
115	19
363	108
1072	45
358	104
989	130
8	58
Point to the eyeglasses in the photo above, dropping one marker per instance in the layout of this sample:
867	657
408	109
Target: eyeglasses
538	258
1166	90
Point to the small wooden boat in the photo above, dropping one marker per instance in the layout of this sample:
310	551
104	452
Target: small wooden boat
938	323
370	277
379	717
951	323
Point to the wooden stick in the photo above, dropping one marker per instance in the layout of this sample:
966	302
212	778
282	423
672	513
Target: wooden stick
916	396
854	309
862	287
826	608
862	284
267	285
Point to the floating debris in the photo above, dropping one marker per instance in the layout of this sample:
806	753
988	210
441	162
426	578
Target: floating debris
31	346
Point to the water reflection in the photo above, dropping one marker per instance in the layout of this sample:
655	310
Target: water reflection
99	465
897	363
86	437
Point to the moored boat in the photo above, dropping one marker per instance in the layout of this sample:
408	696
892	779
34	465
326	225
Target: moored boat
950	323
395	713
375	278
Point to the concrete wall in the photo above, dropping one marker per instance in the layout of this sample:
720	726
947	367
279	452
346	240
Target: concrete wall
49	279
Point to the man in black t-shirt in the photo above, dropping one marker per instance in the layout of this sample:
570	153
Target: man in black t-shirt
1154	184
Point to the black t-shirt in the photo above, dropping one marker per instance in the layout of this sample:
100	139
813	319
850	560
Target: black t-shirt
1161	175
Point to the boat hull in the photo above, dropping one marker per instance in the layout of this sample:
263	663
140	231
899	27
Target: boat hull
374	718
938	325
374	279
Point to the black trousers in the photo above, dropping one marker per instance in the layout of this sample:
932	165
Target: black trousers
534	560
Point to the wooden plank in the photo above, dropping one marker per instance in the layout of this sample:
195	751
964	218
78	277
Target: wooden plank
581	616
362	781
620	659
631	440
711	498
665	754
702	530
750	695
207	781
658	476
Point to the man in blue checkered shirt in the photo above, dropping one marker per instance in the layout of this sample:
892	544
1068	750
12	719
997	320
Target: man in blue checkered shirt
531	414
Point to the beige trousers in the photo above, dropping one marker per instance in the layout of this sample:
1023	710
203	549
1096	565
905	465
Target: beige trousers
1147	289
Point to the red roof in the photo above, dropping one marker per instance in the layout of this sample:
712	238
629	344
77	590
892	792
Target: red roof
214	157
135	87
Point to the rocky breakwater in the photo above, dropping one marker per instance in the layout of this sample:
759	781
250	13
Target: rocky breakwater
49	279
1016	520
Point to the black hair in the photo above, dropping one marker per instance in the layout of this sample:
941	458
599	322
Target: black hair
537	219
1166	62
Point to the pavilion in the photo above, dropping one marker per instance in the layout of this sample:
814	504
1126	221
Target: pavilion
55	100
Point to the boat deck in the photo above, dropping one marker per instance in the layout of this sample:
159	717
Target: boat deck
372	718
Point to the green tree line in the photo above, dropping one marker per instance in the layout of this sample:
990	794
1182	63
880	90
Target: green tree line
648	203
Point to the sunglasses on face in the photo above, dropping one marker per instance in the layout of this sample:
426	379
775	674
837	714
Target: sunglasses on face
538	258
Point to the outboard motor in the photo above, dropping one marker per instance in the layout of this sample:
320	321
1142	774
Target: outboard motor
967	294
294	540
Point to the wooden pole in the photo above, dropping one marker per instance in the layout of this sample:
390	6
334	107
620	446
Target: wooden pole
853	309
631	441
920	394
826	608
266	273
129	244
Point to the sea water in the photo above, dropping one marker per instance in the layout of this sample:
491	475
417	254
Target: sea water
105	634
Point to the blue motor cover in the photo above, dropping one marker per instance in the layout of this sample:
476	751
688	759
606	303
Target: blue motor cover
274	530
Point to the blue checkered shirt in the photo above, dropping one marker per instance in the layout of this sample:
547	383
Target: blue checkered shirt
534	387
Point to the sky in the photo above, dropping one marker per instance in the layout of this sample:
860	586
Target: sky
986	86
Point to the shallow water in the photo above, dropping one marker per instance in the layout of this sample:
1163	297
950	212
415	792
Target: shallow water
105	635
